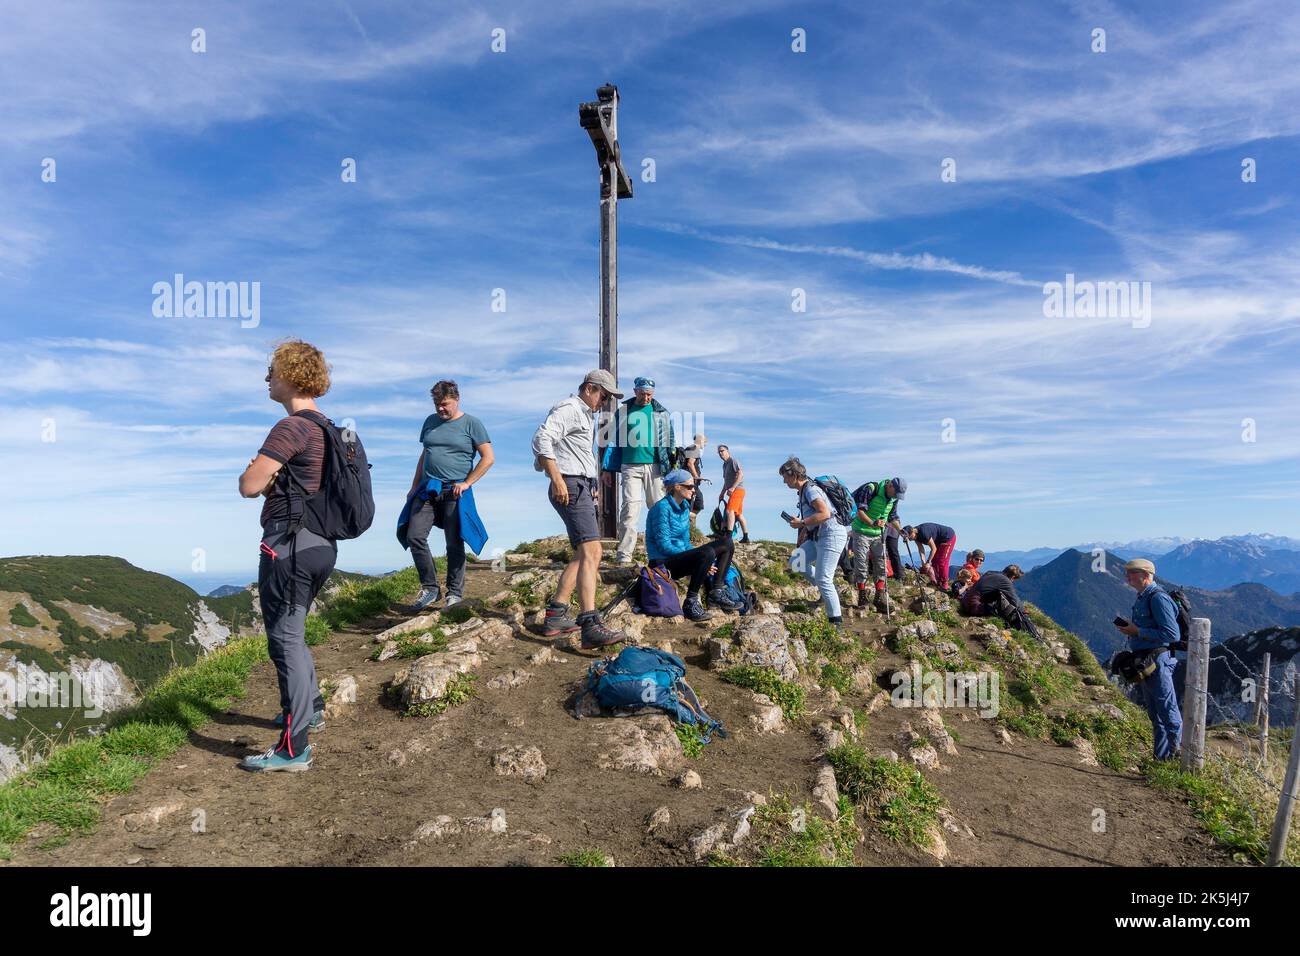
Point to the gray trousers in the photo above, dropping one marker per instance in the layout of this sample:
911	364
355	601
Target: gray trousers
443	513
868	557
291	571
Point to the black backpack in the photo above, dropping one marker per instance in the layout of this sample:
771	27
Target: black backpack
344	506
1184	620
837	493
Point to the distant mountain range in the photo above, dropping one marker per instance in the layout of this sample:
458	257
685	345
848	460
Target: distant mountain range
1085	601
1269	559
1241	658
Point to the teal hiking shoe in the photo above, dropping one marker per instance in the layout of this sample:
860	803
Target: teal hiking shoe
277	760
317	722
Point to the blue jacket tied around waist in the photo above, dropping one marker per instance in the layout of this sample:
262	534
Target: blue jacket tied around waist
471	525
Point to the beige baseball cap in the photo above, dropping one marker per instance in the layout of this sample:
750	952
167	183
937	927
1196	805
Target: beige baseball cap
1141	564
605	380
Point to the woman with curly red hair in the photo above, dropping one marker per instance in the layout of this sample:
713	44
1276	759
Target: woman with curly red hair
294	561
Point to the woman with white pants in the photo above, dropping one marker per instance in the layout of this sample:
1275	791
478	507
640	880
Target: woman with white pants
822	539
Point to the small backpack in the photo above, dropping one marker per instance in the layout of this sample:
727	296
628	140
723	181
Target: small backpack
647	677
1184	620
659	596
839	496
718	522
344	506
734	586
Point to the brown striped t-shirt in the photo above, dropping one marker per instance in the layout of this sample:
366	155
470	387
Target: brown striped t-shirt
298	443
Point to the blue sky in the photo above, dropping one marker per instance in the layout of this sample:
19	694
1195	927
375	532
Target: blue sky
775	170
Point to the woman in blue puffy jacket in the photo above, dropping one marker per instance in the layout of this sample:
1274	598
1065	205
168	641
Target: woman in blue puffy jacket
668	543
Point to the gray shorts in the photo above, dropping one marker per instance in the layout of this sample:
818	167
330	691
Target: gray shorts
579	514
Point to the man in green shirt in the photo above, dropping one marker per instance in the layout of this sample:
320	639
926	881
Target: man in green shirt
877	503
640	450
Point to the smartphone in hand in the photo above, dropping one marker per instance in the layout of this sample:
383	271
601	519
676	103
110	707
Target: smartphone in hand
788	517
1120	622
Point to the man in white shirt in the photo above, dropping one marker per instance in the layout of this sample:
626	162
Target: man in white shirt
563	447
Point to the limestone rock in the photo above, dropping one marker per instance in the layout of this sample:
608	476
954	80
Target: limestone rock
687	780
406	627
938	847
876	703
953	825
932	727
767	717
703	843
825	791
510	679
152	816
1109	710
660	817
515	761
1087	754
443	826
828	735
759	640
640	744
427	678
918	630
485	631
343	694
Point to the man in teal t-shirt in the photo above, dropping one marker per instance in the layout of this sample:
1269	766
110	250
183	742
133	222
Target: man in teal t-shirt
451	439
640	451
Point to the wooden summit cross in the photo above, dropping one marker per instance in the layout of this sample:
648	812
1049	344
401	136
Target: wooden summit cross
600	120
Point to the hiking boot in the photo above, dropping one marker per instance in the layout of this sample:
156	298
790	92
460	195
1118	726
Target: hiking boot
745	540
426	597
863	600
277	760
882	601
595	633
719	598
452	601
693	610
317	722
623	560
558	621
836	622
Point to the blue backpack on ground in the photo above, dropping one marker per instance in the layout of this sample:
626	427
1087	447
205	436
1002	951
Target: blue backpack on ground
734	586
645	677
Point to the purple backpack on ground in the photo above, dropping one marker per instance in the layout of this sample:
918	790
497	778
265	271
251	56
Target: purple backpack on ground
658	593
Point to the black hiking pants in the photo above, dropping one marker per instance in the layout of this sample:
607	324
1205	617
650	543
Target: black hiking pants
440	512
697	561
290	573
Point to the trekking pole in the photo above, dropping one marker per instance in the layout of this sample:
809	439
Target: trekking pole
925	598
618	598
884	546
